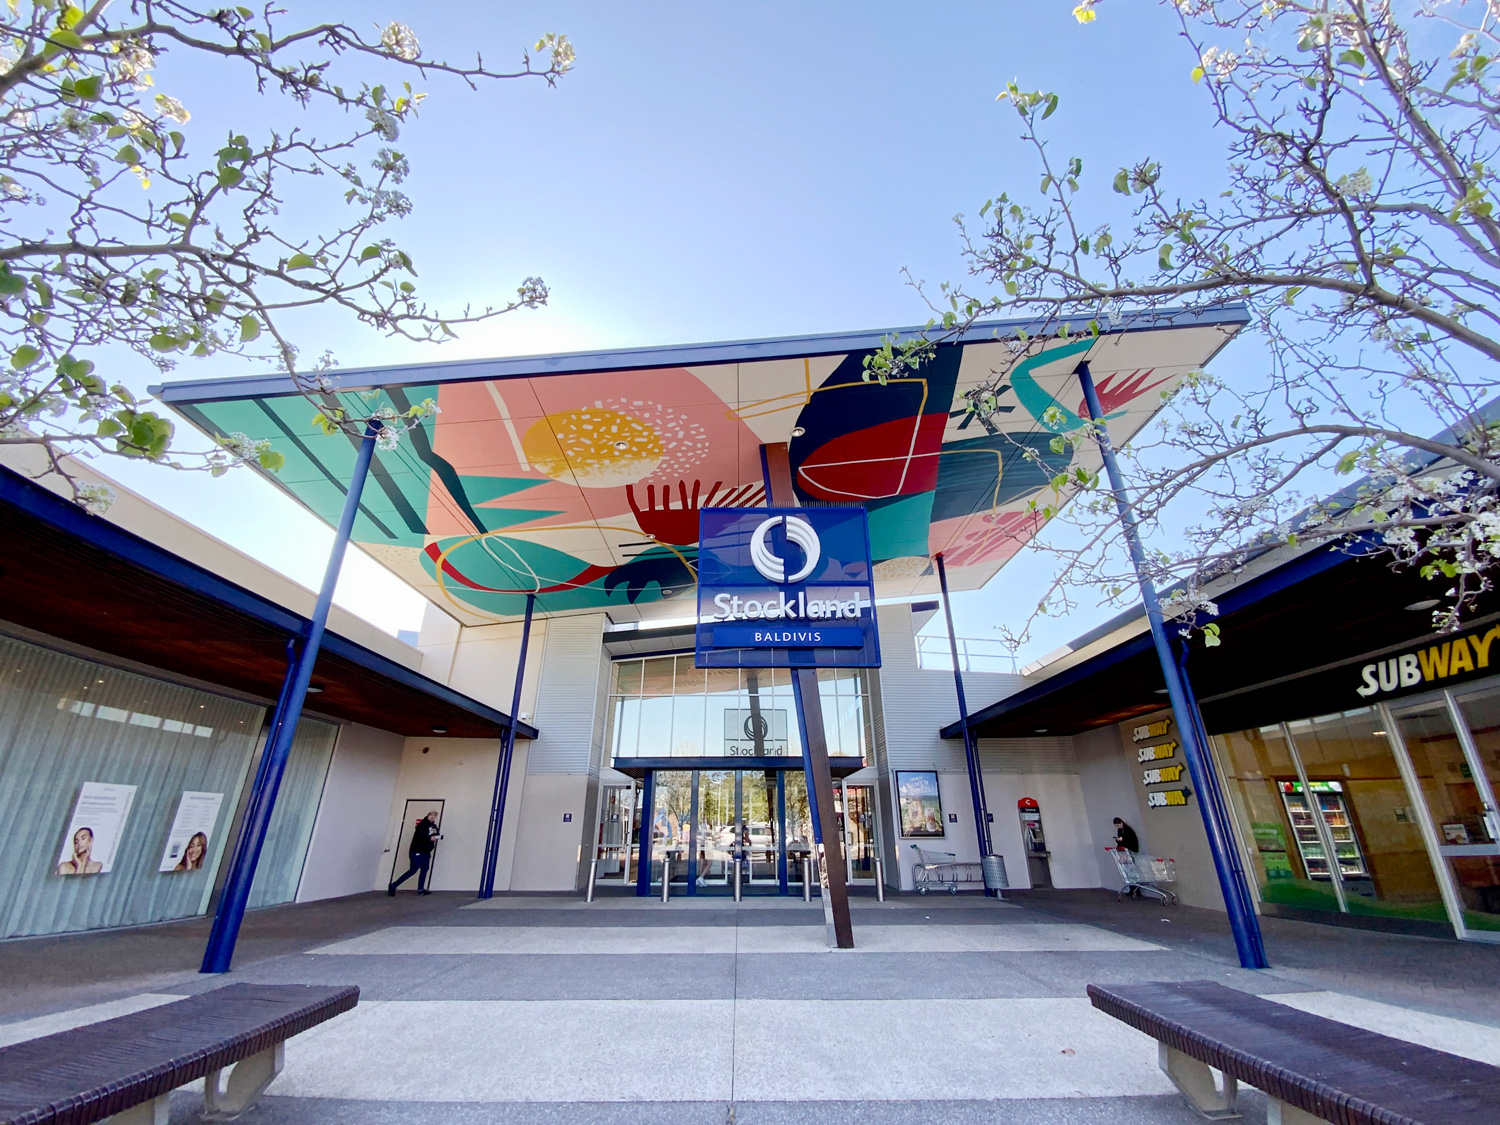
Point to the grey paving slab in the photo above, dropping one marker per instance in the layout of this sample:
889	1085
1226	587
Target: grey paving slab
568	977
1169	1109
335	1111
897	976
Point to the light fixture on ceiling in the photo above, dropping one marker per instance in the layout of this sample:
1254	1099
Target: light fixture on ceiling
314	689
798	431
439	730
1378	733
1425	603
1042	730
1160	691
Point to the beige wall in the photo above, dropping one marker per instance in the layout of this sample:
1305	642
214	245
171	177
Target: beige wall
343	857
480	660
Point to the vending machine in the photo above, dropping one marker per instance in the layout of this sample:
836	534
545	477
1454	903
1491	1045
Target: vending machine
1034	839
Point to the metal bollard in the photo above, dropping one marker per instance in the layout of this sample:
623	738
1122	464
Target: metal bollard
593	874
807	879
666	877
736	878
880	878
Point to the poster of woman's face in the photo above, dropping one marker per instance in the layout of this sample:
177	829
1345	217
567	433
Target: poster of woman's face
95	828
192	828
921	804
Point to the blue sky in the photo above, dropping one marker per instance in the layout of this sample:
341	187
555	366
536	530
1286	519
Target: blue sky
710	171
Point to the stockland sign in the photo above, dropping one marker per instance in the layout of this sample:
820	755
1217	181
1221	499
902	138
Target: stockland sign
784	588
1449	660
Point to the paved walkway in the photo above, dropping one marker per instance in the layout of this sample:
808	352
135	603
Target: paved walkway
546	1009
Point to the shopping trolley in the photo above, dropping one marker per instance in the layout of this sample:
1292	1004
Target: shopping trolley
941	869
1144	873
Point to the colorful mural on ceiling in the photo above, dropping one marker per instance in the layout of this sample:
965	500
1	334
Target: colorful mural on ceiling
584	488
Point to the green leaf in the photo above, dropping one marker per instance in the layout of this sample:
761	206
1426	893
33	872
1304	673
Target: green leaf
10	284
249	328
230	177
1197	75
1058	443
1347	462
65	37
300	262
1353	58
270	460
71	17
88	88
180	219
24	356
1164	257
164	342
369	252
1122	181
1051	106
128	154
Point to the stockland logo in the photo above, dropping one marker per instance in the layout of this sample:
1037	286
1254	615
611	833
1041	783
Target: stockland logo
772	567
1456	657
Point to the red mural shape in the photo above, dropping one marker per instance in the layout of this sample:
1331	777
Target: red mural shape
1118	389
896	458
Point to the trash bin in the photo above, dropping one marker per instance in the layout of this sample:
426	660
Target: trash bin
994	873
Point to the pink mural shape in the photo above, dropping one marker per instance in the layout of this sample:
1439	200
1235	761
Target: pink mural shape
587	442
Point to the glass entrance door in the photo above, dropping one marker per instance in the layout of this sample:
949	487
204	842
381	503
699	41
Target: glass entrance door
716	828
859	831
761	826
1454	747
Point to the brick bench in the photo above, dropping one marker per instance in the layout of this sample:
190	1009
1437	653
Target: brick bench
1312	1069
122	1070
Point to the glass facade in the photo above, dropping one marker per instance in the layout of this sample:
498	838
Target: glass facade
1386	811
120	791
664	707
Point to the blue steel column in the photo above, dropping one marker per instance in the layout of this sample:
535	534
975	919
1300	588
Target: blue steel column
1216	791
971	751
1242	922
231	913
502	769
643	860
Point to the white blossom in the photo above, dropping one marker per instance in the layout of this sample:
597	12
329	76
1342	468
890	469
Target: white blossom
400	41
172	108
95	498
385	125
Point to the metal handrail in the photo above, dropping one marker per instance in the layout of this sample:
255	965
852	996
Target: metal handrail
975	654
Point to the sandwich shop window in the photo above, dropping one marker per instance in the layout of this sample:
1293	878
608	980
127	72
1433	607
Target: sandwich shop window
1386	811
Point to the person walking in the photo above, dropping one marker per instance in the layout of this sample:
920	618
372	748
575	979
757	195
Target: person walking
424	840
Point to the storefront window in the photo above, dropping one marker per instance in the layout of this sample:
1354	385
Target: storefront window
1327	818
1367	812
664	707
1456	784
1257	764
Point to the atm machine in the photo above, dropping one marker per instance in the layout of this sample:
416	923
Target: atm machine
1034	840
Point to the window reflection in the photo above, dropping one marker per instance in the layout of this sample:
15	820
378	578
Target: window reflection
664	707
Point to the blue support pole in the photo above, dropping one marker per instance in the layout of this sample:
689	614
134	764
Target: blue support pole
231	913
971	749
1216	791
502	770
643	859
1242	922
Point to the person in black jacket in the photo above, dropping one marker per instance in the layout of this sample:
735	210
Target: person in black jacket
424	839
1126	838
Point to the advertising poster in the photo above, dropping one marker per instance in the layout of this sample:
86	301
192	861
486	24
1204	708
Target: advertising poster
94	829
921	806
192	829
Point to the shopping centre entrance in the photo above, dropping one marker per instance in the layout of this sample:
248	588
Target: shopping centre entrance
701	820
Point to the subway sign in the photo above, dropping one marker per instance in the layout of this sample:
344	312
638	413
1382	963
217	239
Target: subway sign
785	588
1446	661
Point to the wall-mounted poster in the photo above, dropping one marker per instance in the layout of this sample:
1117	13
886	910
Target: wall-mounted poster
921	804
94	829
192	829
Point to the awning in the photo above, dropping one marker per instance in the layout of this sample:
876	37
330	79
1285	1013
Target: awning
80	578
578	477
1292	642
